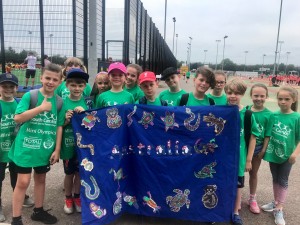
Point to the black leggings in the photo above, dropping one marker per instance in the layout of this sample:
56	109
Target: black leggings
12	172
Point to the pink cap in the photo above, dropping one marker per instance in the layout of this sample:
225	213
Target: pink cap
117	66
147	76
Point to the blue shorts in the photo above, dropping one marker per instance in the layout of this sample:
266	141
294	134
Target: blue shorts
71	165
257	149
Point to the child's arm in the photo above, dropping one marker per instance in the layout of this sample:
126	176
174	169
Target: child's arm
55	155
29	114
252	143
295	154
264	148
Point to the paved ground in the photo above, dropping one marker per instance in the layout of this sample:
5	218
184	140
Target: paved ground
55	196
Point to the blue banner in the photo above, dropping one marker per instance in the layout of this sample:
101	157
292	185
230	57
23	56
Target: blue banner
172	162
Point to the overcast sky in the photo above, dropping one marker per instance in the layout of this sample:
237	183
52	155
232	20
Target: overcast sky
250	26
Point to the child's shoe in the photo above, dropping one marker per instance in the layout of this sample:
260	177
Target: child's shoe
28	202
19	222
253	206
269	207
278	214
2	217
44	217
237	220
68	208
77	204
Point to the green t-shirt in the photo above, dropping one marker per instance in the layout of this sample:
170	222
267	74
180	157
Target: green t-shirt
284	138
136	92
171	97
110	98
67	144
63	91
243	148
156	102
7	126
219	100
192	101
35	141
264	120
188	74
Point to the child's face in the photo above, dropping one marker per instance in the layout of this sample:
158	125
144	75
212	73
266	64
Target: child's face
285	100
50	81
72	65
259	96
132	76
117	78
102	84
201	84
172	81
233	97
149	88
8	90
76	89
220	82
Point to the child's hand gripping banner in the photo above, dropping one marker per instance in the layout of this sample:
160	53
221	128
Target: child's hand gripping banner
172	162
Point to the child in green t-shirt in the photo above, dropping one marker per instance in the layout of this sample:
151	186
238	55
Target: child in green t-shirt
235	90
101	84
131	82
217	92
76	81
116	95
282	151
263	118
71	63
149	86
8	105
35	145
171	78
204	79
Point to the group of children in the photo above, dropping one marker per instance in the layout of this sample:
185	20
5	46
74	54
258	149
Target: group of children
45	133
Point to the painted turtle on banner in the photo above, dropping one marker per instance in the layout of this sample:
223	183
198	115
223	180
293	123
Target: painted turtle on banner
179	200
169	121
147	119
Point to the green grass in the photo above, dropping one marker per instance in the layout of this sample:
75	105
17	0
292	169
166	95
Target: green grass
21	76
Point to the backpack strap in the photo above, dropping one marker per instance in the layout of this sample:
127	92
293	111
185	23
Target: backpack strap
211	101
33	98
143	100
184	99
89	101
59	103
247	126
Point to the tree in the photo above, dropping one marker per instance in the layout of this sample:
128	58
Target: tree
228	65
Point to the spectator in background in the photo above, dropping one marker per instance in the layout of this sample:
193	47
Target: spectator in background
31	69
46	60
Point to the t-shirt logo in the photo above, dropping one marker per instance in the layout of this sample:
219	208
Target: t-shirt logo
281	129
32	142
48	143
170	102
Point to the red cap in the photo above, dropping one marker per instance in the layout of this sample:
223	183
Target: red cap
147	76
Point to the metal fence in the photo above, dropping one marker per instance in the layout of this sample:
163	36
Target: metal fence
60	29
